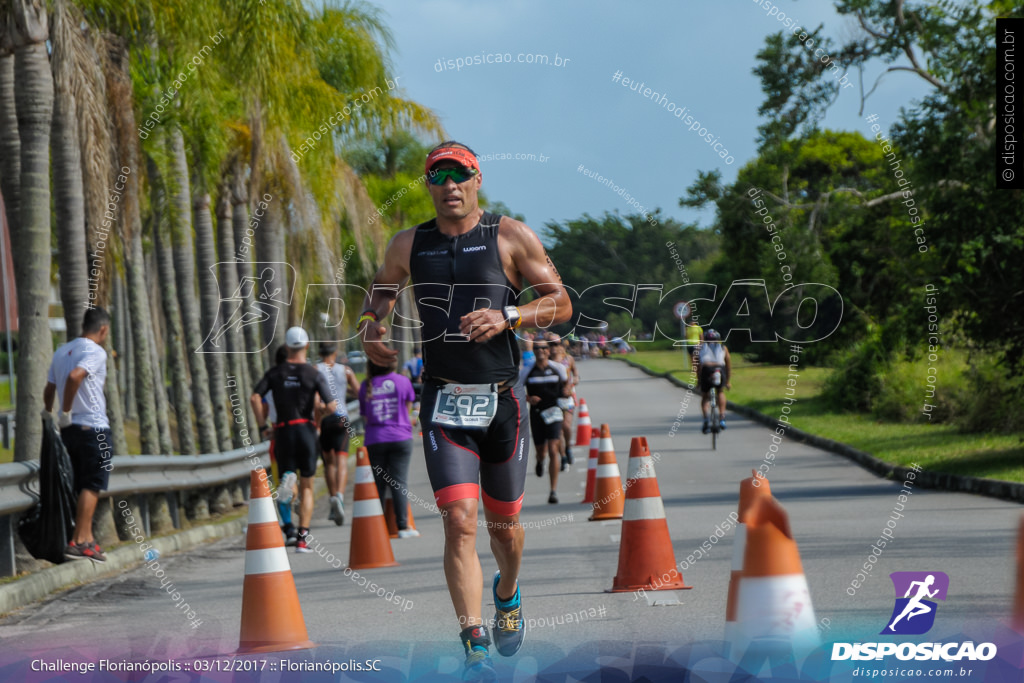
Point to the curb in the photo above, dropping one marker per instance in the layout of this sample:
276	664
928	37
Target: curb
40	584
993	488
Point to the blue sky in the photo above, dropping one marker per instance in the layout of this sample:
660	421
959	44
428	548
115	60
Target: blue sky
699	54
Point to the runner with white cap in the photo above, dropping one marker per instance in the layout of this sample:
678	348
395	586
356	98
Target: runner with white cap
295	384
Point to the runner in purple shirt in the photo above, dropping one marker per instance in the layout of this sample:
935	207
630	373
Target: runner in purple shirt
385	398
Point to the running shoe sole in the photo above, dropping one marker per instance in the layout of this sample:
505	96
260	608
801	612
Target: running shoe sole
507	645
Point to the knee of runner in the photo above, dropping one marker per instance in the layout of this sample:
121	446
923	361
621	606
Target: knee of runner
457	517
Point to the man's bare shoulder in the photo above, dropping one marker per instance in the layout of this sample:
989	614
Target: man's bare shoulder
517	233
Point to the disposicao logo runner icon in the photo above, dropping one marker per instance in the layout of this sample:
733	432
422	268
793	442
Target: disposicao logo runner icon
914	612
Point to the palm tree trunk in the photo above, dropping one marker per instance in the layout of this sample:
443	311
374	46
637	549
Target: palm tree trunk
163	411
270	250
251	333
174	334
138	303
10	144
183	253
243	424
69	196
209	300
33	96
119	92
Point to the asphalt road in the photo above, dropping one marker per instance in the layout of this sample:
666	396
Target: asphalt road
836	511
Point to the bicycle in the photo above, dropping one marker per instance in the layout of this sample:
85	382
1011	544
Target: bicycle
713	394
715	417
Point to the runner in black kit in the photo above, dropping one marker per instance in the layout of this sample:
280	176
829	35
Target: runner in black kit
468	268
546	382
295	384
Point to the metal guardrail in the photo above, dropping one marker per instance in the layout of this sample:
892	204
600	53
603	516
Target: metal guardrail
134	475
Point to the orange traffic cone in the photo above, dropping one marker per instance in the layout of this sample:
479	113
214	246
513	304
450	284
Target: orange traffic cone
1018	601
271	615
749	491
389	514
774	616
370	547
608	497
588	497
583	426
646	559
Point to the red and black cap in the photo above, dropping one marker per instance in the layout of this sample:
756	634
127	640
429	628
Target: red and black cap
459	154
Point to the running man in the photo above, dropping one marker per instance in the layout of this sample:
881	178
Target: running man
915	607
295	384
285	480
76	378
334	428
566	403
713	361
474	408
546	382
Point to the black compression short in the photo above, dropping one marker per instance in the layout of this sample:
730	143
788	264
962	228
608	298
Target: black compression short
543	432
295	448
460	462
334	433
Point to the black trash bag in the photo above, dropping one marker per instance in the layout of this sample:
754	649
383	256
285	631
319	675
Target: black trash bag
46	528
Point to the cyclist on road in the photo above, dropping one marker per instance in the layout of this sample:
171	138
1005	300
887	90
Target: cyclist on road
334	428
295	384
474	409
714	370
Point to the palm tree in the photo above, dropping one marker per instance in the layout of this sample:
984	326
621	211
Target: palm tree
69	195
147	377
33	96
175	337
184	268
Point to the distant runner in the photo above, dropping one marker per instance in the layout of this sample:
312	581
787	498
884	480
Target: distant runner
474	409
295	384
546	382
334	428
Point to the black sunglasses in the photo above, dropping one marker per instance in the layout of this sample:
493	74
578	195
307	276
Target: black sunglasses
459	174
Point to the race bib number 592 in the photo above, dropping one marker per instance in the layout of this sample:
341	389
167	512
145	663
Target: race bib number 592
466	406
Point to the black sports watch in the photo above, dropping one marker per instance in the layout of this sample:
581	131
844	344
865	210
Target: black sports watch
512	316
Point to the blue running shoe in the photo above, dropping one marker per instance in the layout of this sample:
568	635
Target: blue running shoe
478	661
508	621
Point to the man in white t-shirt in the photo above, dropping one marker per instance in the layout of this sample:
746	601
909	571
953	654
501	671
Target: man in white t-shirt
335	428
76	378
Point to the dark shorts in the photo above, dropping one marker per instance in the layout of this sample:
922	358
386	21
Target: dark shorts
334	434
462	461
543	432
705	378
90	451
296	449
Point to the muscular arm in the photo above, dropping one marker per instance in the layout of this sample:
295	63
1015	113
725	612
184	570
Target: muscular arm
531	263
353	381
48	395
383	293
728	370
258	409
75	380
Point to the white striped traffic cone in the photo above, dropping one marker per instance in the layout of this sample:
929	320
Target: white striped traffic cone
271	614
608	497
583	425
588	496
748	493
774	616
370	547
646	559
